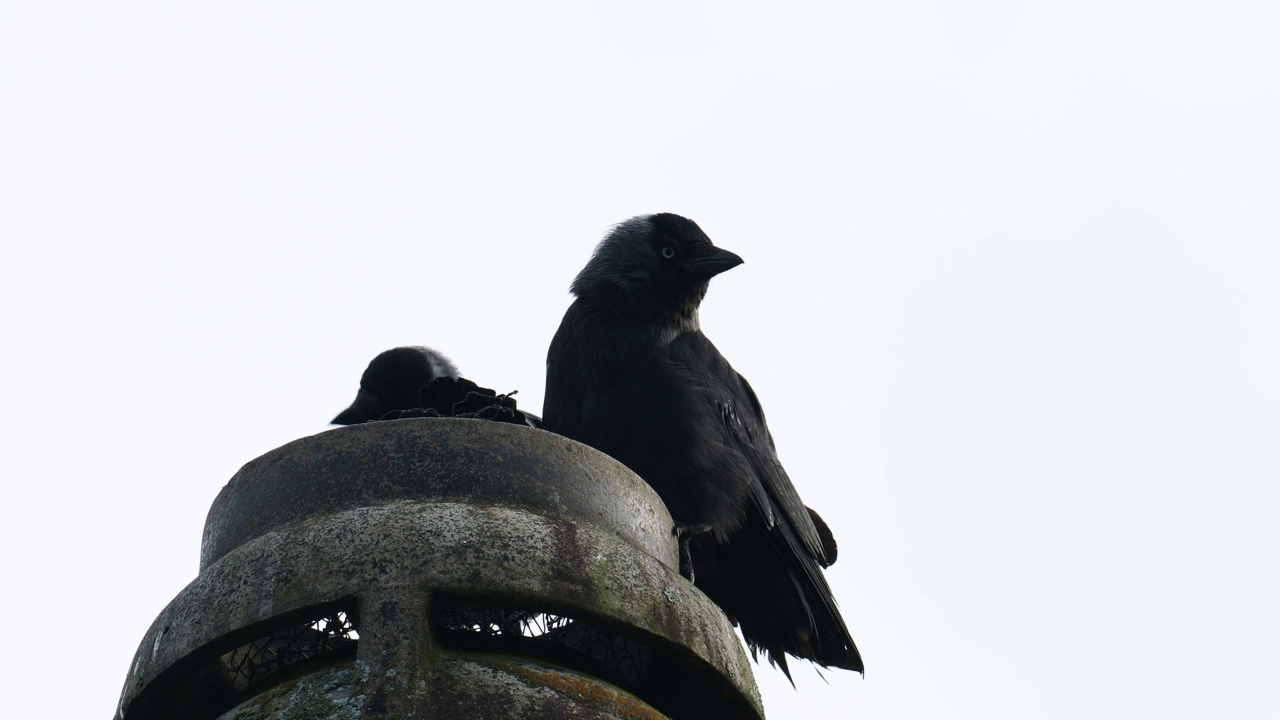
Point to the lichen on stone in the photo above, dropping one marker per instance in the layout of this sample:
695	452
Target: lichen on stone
326	695
311	702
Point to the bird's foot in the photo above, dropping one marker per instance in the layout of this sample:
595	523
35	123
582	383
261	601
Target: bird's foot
684	533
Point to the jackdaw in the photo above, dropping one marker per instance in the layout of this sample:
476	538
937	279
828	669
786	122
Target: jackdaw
630	373
392	381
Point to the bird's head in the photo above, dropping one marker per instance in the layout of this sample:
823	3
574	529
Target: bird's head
663	262
396	374
392	380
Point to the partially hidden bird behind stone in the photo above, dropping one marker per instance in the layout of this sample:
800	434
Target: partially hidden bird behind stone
630	373
392	382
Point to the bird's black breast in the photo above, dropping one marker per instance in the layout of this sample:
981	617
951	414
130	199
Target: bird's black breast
636	403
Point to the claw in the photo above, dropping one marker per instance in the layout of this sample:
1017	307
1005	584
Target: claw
686	562
684	533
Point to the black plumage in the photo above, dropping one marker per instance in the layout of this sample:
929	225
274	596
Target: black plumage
630	373
392	381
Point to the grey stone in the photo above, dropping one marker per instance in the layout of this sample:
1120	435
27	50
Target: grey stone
392	517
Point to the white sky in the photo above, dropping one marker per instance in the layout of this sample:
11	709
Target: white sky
1011	299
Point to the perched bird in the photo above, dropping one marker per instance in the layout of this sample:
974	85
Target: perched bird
630	373
392	381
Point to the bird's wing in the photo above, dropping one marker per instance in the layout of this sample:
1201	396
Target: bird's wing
745	430
829	547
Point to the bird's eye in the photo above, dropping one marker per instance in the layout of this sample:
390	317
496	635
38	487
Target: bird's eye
668	252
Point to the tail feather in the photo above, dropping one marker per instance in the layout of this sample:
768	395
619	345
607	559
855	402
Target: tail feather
777	594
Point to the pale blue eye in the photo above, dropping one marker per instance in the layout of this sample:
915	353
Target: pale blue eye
668	252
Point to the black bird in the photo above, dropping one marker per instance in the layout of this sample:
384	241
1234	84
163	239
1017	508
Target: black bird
392	380
630	373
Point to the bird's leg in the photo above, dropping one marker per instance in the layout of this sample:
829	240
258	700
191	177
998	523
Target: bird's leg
685	533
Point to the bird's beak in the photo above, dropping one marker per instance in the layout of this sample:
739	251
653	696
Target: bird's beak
365	408
715	263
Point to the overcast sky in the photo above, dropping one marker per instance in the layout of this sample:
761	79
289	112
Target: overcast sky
1011	300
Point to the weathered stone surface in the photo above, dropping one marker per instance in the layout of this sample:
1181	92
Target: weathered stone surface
491	526
332	694
435	459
